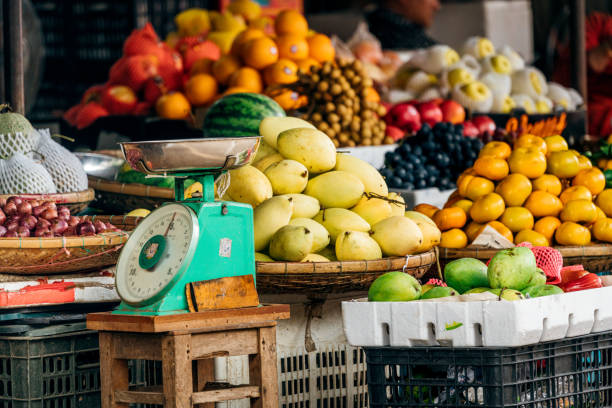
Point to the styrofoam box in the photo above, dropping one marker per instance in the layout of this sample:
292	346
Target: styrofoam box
477	323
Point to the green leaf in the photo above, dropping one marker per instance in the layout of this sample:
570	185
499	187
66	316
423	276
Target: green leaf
453	326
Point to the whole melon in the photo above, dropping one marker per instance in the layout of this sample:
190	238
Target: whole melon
239	115
16	133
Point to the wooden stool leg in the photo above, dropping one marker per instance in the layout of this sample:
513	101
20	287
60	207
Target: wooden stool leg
113	373
262	369
204	371
176	370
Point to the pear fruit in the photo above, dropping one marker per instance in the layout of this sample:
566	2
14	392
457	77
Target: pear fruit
291	243
314	258
263	164
304	206
272	126
397	236
311	147
336	220
373	209
269	217
372	181
320	236
249	185
287	177
335	189
356	246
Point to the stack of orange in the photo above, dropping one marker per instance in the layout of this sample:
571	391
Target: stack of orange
260	63
539	192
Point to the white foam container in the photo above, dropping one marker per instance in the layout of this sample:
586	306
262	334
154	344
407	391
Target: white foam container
489	323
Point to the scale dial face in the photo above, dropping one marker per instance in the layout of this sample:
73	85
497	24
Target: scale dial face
156	254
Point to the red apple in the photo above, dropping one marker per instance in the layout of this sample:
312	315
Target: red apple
404	116
119	99
469	129
430	113
484	124
394	132
452	112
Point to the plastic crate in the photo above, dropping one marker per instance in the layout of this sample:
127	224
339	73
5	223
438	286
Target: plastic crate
567	373
58	371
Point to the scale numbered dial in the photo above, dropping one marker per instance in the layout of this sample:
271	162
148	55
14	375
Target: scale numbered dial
156	254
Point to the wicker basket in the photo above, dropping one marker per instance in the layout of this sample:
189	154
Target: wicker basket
76	201
46	256
335	277
594	258
120	198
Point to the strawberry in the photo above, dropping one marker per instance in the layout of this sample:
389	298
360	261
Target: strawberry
89	113
71	114
206	49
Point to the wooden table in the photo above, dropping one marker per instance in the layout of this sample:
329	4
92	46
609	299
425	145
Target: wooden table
187	344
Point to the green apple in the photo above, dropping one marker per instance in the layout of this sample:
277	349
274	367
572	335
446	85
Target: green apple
465	274
439	292
512	268
394	287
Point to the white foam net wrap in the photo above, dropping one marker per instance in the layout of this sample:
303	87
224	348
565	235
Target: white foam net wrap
64	167
21	174
18	143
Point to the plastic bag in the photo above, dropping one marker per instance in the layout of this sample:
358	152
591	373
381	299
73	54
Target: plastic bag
364	45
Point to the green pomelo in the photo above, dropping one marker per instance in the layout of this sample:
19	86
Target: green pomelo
512	268
394	287
465	274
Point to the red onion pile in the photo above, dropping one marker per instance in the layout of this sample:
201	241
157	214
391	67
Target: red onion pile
35	218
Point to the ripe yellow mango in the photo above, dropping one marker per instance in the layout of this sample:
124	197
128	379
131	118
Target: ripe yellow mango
263	164
320	236
249	185
264	150
304	206
373	209
329	253
335	189
311	147
314	258
336	220
397	208
287	177
397	236
429	229
372	181
272	126
269	217
291	243
262	257
357	246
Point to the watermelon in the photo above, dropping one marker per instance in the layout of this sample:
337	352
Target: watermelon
238	115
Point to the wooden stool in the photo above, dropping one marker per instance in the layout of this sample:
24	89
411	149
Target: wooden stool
187	344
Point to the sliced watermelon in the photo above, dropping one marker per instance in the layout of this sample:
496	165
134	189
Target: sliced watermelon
238	115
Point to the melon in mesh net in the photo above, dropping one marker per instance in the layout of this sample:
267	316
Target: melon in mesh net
16	133
64	167
23	175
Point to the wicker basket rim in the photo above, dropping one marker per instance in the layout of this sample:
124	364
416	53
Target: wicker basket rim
71	197
566	251
135	189
104	239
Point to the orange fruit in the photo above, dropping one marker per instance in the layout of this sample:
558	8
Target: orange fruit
454	238
547	227
427	209
224	67
517	219
202	66
602	230
501	150
235	90
463	203
601	163
245	36
555	143
499	227
575	193
283	71
247	78
592	178
201	89
371	95
563	164
487	208
531	236
604	201
542	204
532	141
529	162
608	165
259	52
579	211
173	105
288	99
305	65
514	189
449	218
475	187
472	230
265	24
600	213
292	46
321	48
452	199
290	22
570	233
584	162
549	183
491	167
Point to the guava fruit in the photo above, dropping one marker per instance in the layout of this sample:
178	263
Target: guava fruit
541	290
508	294
512	268
537	279
439	292
394	287
465	274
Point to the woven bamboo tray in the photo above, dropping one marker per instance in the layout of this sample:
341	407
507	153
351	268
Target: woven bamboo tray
594	258
121	198
335	277
46	256
76	201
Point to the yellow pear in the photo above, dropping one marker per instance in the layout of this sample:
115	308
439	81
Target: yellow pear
269	217
397	236
249	185
372	181
304	206
311	147
336	220
262	257
287	177
291	243
356	246
320	236
373	209
263	164
335	189
397	208
314	258
272	126
429	229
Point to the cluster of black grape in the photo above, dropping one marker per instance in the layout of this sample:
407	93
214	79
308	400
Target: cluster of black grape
431	158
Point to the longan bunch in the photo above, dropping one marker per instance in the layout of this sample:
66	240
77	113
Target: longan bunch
339	93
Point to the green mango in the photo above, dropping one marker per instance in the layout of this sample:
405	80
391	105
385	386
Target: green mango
477	290
465	274
542	290
439	292
508	294
394	287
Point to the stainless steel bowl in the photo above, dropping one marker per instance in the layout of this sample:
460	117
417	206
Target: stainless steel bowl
167	157
100	165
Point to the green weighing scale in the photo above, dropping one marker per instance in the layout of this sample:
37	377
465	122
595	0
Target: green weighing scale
192	239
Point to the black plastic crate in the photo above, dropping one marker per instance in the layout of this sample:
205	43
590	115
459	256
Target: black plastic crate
569	373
